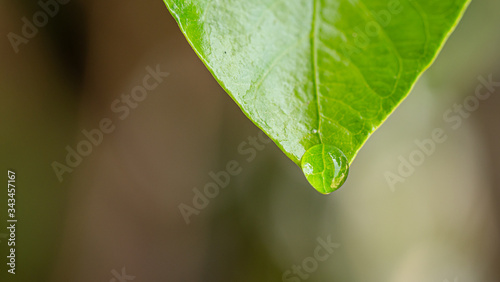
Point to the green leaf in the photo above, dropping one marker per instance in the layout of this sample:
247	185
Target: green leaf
317	72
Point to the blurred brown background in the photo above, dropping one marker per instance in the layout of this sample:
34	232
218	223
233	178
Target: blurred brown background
118	212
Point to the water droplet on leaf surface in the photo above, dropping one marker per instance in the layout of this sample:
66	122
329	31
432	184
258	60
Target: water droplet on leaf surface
325	167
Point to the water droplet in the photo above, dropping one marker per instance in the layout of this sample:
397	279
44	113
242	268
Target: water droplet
325	167
315	131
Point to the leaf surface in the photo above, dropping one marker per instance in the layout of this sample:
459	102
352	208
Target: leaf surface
317	72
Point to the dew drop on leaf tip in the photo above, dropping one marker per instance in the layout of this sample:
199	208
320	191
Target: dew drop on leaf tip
325	167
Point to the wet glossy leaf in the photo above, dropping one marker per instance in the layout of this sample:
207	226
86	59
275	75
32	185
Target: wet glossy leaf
317	72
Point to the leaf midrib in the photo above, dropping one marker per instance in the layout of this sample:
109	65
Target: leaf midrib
315	64
314	53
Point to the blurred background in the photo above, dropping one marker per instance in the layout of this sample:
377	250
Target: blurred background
116	216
